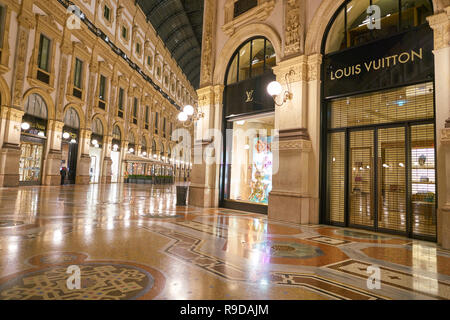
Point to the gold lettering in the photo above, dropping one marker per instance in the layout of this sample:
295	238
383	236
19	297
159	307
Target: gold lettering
402	55
368	67
375	67
415	54
358	69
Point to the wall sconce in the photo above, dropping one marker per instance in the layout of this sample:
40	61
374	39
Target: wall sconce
144	154
66	135
189	115
131	150
275	89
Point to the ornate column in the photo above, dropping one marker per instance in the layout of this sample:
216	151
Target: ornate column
204	191
107	161
84	160
440	23
11	116
52	163
293	197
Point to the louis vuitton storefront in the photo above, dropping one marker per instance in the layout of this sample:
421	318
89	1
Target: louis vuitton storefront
248	122
378	120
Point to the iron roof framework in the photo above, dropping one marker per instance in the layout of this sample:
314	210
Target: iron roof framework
179	23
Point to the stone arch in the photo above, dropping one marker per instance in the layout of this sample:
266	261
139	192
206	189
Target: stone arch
80	112
104	123
243	34
322	18
45	96
133	132
121	128
5	93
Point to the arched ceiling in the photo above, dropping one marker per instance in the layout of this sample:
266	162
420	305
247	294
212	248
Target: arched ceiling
179	23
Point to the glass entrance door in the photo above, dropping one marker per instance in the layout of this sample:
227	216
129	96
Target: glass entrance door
361	182
390	182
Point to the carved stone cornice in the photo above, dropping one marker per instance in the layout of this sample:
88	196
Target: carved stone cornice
205	96
297	64
303	145
440	23
314	63
259	13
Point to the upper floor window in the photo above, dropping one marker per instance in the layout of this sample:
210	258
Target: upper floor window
138	48
102	92
253	58
156	122
135	110
146	119
353	26
164	127
149	61
44	53
158	71
124	33
78	78
43	72
241	6
107	13
120	102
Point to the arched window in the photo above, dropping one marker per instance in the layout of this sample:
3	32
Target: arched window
154	147
355	23
162	150
117	135
131	138
252	59
71	119
144	144
97	127
36	106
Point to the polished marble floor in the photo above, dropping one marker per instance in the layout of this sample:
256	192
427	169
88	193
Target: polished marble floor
132	242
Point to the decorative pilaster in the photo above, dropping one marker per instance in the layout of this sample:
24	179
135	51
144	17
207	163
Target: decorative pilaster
204	191
440	23
84	161
51	175
294	12
11	119
209	32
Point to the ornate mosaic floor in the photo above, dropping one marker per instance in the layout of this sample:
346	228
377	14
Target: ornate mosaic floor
132	242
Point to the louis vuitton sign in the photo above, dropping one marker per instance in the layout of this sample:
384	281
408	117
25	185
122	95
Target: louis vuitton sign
398	60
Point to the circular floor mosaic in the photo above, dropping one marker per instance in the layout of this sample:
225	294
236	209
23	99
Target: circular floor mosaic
105	280
289	250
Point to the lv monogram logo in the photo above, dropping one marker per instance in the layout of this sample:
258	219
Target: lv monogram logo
249	95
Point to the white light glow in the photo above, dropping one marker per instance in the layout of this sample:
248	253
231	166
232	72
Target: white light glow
189	110
274	88
182	116
25	126
66	135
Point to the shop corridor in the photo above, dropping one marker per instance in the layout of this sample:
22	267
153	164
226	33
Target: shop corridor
132	242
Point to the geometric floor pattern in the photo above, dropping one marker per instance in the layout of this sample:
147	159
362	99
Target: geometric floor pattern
132	242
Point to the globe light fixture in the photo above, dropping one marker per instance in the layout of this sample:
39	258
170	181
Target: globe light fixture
182	116
73	141
66	135
97	145
275	90
144	154
131	150
25	126
115	147
189	115
94	142
189	110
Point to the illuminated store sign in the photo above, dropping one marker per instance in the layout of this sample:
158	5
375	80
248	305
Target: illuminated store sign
403	59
